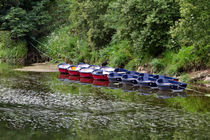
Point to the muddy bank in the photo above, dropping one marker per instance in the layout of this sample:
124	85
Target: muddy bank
39	67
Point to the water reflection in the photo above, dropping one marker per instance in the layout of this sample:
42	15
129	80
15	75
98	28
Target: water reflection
86	80
100	83
124	86
39	106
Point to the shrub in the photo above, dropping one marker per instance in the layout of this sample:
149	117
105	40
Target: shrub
120	54
157	65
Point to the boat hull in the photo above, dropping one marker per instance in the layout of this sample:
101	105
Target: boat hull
63	70
86	75
73	73
100	77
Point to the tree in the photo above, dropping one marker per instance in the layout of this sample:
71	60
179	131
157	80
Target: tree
88	19
24	18
193	28
145	23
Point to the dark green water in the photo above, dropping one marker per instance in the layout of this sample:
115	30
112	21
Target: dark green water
41	106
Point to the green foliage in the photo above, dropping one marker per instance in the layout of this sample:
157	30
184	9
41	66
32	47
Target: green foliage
147	29
87	17
132	64
194	25
120	54
24	18
185	78
59	45
158	65
10	49
186	59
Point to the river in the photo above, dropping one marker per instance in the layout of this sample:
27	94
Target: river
35	105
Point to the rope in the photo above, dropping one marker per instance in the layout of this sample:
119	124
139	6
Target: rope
48	48
40	50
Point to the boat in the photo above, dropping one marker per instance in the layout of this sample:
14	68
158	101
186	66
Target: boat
102	73
165	77
168	84
120	71
115	77
62	67
74	69
87	72
147	81
134	73
107	69
129	79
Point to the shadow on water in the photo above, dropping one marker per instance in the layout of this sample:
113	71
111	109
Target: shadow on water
43	106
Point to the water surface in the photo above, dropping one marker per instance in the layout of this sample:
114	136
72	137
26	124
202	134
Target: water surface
49	106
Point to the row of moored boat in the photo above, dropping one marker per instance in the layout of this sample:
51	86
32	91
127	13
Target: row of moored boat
122	75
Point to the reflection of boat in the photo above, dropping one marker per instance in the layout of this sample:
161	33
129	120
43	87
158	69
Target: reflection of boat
63	67
101	83
62	76
86	80
129	87
114	85
74	78
167	94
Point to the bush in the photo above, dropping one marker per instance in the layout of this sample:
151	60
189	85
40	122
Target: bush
120	54
157	65
185	78
10	49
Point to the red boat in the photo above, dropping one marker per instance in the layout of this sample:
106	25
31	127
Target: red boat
100	77
63	68
87	72
102	73
74	69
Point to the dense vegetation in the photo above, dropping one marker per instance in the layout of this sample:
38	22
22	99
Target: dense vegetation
169	36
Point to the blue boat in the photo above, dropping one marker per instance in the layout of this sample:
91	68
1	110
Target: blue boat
167	84
147	81
121	70
134	73
129	79
165	77
115	77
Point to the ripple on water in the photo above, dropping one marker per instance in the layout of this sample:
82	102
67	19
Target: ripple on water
23	108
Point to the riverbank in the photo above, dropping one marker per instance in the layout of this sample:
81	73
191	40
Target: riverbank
39	67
